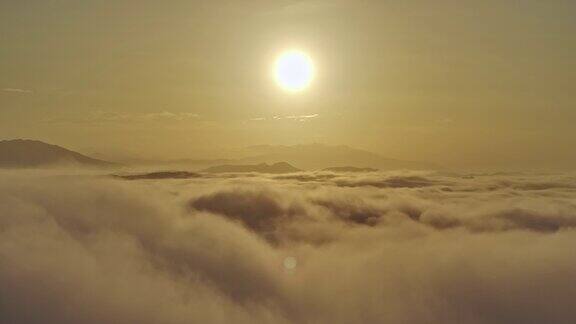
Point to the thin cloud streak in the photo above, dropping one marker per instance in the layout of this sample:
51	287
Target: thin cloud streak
300	118
99	116
17	90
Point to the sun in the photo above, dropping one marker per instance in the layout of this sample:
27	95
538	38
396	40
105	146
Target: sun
294	70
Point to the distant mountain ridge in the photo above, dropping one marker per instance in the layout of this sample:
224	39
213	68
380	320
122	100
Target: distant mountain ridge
159	175
21	153
304	157
320	156
280	167
349	169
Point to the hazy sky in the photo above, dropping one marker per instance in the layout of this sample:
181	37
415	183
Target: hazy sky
460	83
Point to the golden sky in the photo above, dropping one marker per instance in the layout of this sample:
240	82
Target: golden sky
459	83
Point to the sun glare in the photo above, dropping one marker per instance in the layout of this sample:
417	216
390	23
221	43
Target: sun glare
294	70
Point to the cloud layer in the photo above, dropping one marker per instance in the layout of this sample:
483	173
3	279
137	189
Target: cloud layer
303	248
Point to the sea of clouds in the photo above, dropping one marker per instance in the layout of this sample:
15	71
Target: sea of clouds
311	247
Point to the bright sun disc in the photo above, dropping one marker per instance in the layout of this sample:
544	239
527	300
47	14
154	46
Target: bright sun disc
294	70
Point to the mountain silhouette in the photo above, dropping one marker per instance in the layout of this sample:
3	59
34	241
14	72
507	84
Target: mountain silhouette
280	167
320	156
160	175
36	154
349	169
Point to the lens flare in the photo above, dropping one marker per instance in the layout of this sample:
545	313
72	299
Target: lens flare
290	263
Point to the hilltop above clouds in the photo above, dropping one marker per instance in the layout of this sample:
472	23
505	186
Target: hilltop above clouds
22	153
279	167
264	158
320	156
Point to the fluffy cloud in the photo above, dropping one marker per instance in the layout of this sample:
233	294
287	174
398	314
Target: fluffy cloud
304	248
